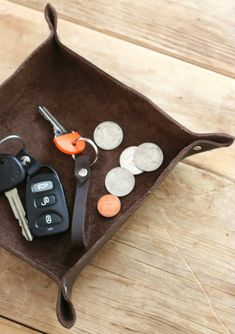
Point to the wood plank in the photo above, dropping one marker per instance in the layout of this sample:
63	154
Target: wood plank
200	99
196	32
10	327
106	302
147	276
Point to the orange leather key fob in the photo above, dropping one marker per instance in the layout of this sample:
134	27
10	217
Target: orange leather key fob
67	143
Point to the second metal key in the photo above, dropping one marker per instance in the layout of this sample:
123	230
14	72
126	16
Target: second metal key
12	173
66	141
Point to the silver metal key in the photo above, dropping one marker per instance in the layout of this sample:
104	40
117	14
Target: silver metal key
19	212
57	127
72	142
75	141
12	174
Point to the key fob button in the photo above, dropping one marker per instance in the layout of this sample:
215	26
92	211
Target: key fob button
45	201
47	210
48	219
42	186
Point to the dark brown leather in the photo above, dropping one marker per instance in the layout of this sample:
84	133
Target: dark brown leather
78	237
81	96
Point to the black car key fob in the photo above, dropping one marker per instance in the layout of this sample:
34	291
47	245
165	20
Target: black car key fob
46	203
12	173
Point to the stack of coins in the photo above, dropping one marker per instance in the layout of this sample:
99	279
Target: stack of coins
134	160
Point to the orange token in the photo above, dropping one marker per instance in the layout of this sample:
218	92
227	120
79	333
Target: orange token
68	143
109	206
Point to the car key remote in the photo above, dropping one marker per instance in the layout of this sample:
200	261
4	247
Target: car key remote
46	203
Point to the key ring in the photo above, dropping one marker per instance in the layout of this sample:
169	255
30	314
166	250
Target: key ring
13	137
89	141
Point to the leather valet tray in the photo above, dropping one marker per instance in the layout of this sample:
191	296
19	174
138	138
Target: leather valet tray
81	96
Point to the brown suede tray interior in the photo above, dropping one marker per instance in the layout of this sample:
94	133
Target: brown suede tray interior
81	96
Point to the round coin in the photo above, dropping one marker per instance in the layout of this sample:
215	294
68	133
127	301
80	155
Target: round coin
127	160
109	205
119	181
108	135
148	157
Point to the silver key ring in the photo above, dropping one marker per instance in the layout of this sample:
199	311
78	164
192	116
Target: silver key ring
89	141
13	137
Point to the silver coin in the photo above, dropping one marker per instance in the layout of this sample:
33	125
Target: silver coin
148	157
119	181
127	160
108	135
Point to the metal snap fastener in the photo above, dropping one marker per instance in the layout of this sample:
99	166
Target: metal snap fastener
25	160
83	172
197	148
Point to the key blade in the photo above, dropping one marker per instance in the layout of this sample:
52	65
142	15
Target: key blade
57	127
10	195
19	212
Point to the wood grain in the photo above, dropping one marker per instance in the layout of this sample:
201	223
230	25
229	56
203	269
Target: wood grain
197	32
10	327
170	269
200	99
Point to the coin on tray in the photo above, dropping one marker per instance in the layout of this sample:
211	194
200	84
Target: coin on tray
109	205
119	181
108	135
148	157
127	160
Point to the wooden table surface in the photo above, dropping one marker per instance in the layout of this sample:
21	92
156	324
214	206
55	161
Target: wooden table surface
171	267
